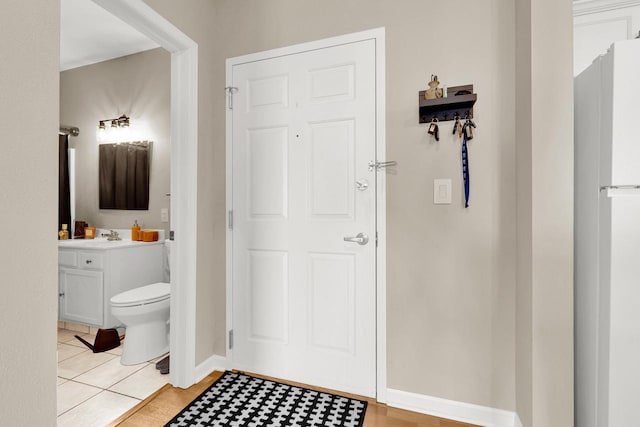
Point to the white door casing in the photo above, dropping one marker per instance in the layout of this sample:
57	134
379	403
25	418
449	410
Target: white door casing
184	176
302	301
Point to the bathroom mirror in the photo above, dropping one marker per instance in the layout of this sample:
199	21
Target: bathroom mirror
124	175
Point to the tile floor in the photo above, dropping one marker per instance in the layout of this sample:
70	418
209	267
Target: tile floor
94	388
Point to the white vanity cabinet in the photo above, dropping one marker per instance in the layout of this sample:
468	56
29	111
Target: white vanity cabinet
80	296
91	272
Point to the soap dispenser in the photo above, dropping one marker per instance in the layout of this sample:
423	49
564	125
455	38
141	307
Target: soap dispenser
135	231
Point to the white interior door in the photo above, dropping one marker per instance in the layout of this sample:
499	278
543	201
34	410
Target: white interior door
304	299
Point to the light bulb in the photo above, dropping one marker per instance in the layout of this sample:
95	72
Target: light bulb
101	134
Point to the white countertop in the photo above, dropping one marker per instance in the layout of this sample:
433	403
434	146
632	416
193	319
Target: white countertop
102	243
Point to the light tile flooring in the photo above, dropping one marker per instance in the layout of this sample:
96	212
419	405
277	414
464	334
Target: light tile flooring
94	388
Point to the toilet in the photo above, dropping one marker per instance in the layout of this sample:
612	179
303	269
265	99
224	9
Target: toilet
145	313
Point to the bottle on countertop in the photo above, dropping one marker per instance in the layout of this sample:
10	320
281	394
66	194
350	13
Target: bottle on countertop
64	233
135	231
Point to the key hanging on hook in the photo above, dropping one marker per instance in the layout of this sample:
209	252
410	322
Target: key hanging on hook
456	123
471	123
433	128
468	128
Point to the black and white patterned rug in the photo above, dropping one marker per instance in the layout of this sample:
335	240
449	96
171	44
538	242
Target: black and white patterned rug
239	400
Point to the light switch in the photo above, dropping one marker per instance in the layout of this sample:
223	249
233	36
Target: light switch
442	191
164	215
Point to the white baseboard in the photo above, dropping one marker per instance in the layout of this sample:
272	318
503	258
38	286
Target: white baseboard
450	409
458	411
213	363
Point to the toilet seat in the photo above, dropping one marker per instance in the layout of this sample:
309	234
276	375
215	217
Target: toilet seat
144	295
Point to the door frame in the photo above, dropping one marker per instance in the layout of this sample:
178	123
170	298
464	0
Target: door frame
184	176
378	35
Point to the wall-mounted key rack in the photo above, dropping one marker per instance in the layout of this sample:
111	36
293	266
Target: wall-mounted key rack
459	100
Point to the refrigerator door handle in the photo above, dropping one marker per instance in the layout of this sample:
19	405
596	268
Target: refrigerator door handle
621	190
620	187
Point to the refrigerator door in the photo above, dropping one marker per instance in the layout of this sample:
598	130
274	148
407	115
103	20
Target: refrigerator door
625	136
607	239
620	251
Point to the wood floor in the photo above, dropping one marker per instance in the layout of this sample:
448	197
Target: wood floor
163	405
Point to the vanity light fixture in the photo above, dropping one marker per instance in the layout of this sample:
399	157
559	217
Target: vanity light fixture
120	122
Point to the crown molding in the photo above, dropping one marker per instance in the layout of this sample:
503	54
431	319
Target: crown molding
587	7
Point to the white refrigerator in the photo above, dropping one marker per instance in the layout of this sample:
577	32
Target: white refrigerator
607	239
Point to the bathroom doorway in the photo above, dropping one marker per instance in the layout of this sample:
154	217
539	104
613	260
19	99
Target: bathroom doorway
183	124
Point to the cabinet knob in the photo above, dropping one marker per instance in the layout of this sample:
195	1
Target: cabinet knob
61	294
88	261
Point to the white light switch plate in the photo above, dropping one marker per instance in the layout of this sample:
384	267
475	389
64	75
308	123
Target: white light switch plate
442	191
164	215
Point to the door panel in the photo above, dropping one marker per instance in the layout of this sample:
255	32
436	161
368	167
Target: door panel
332	84
269	290
332	304
267	158
303	298
331	169
268	92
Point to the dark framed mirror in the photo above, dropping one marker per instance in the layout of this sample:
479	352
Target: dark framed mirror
124	175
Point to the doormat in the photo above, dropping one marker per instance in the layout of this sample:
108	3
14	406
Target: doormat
237	399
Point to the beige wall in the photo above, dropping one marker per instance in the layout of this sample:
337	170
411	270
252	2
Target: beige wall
544	362
29	58
459	315
139	86
552	212
524	215
451	271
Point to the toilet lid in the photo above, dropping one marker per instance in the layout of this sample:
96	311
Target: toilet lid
144	295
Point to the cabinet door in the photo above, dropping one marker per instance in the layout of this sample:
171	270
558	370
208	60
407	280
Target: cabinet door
81	296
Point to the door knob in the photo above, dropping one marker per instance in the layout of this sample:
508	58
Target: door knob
361	239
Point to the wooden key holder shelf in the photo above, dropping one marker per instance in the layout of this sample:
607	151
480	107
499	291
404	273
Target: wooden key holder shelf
444	109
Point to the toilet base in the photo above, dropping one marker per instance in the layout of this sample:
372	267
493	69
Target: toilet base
145	342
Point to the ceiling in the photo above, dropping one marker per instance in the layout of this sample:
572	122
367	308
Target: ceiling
90	34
